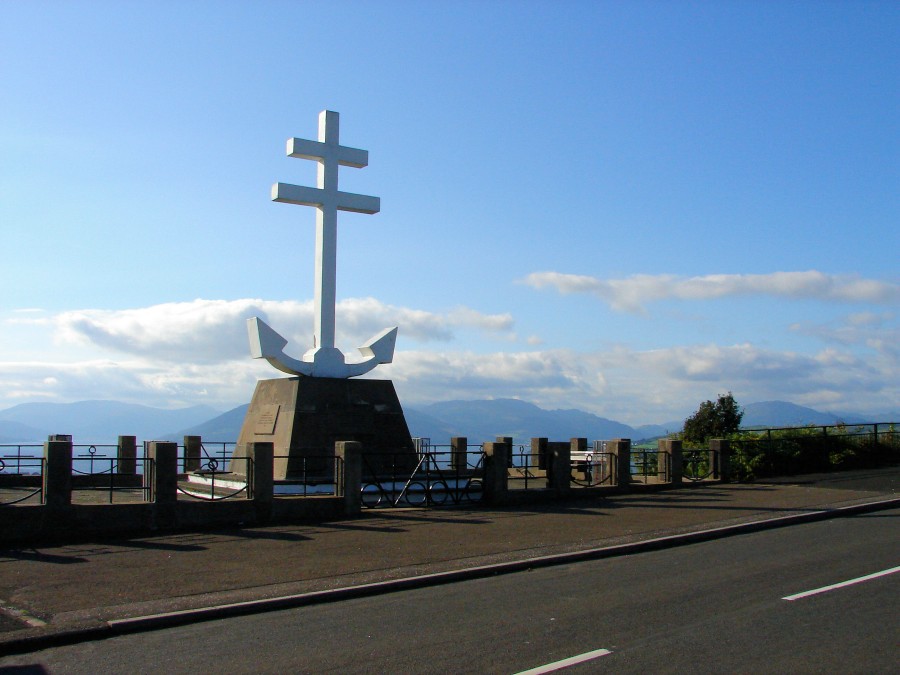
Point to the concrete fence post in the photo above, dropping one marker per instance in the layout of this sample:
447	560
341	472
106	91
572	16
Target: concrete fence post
496	472
621	448
260	478
164	457
350	487
459	450
126	455
663	461
508	441
577	459
193	451
720	459
57	483
163	477
559	477
539	454
671	471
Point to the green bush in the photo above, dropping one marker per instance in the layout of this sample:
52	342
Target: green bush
784	452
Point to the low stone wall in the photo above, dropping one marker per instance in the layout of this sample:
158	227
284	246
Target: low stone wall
167	510
30	523
59	519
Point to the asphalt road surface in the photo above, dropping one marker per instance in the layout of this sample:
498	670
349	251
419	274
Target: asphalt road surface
815	598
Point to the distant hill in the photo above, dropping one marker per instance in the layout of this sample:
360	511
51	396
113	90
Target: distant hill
657	430
784	414
769	414
95	421
486	419
479	421
16	432
225	427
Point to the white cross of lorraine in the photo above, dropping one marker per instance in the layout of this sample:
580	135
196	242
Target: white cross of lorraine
323	360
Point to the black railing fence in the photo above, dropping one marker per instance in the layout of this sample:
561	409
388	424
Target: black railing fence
214	482
645	465
524	470
699	465
441	475
103	475
433	475
792	450
21	479
18	458
311	475
595	469
89	460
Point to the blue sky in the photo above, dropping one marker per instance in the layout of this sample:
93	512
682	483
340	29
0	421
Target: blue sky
624	207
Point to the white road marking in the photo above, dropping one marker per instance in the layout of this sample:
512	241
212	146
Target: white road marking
565	663
850	582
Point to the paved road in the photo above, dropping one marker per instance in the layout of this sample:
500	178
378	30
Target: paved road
711	607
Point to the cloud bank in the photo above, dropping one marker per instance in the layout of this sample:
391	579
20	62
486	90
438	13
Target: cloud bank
633	386
633	293
205	331
181	354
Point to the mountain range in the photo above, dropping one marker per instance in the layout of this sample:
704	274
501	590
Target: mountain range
103	421
95	421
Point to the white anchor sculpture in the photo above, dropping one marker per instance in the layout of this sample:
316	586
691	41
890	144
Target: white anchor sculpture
324	359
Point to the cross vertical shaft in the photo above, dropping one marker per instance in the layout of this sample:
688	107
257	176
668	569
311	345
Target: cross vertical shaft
325	297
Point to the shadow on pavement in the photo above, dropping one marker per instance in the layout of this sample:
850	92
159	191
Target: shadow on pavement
31	555
271	535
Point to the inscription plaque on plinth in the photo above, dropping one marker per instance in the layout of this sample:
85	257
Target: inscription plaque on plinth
266	419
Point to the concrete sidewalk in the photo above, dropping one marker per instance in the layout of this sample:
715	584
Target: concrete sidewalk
61	592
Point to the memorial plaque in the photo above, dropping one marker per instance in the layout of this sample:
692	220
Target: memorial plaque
267	419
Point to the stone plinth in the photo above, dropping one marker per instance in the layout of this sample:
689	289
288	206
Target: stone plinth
303	418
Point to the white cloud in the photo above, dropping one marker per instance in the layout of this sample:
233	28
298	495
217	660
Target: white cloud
182	354
640	387
207	331
876	331
162	384
632	293
632	386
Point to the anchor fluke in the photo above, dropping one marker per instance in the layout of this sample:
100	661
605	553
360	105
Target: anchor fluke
381	346
266	344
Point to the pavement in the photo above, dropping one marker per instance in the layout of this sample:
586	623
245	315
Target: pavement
59	594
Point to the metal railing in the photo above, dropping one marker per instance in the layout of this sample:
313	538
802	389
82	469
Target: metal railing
219	450
209	482
596	468
85	464
645	465
524	472
21	479
697	465
311	476
103	476
13	462
792	450
434	478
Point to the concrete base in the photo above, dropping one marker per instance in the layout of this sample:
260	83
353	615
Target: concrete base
303	417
